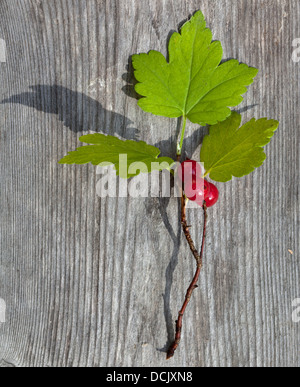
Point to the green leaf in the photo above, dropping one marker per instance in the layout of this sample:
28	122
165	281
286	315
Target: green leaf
106	150
230	150
193	83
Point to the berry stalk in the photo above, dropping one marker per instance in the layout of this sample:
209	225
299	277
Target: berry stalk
180	143
199	259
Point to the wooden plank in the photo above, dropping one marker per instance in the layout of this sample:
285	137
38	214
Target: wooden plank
98	282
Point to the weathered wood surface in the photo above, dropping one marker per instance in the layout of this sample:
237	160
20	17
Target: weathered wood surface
98	282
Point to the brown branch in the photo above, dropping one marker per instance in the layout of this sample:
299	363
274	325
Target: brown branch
199	259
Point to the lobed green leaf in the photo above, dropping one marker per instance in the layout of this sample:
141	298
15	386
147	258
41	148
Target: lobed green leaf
230	150
193	83
106	150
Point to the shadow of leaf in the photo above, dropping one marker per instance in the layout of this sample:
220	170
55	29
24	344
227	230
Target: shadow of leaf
129	88
77	111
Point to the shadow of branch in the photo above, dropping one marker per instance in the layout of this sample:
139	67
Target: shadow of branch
176	240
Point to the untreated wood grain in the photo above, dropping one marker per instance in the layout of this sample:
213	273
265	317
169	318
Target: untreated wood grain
71	263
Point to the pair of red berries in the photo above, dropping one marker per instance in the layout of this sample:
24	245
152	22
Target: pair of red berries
195	187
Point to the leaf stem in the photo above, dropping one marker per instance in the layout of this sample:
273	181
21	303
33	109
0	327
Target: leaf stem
199	259
180	144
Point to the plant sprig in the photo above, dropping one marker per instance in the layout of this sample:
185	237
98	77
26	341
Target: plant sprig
196	86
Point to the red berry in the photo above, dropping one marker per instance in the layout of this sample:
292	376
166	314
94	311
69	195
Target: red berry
206	189
212	197
190	169
194	190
